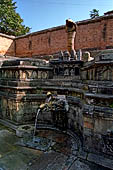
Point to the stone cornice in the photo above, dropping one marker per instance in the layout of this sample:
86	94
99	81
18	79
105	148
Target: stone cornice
7	36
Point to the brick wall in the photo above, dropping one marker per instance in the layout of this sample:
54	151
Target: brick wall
95	34
88	36
92	34
42	43
6	45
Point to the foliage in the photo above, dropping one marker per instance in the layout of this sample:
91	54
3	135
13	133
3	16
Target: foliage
10	20
94	13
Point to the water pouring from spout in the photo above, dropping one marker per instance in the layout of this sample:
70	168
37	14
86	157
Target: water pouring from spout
35	124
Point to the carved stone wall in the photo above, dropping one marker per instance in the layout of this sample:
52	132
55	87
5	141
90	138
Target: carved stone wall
18	88
97	122
24	84
98	104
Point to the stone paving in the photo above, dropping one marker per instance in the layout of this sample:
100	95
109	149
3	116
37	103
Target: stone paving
61	156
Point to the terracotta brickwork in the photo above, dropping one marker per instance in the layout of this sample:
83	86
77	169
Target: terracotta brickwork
6	45
89	36
95	35
92	34
42	43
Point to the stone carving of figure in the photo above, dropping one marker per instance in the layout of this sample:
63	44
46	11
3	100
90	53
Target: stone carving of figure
71	32
108	141
66	72
87	57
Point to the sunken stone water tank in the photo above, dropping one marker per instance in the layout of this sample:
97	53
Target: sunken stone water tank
88	87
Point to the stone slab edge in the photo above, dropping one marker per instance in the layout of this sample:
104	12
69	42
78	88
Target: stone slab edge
97	159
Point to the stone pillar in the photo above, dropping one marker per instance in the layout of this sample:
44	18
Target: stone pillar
71	32
79	57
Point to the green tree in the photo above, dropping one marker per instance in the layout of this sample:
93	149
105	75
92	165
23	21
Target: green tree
94	13
10	20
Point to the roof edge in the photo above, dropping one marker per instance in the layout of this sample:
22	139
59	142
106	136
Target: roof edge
7	36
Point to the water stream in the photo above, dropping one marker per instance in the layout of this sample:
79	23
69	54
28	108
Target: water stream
35	124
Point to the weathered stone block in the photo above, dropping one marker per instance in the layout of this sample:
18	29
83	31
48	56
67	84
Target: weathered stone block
108	163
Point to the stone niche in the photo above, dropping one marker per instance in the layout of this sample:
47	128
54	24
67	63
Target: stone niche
19	92
66	68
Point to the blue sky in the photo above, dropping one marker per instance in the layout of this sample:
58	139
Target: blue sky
43	14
